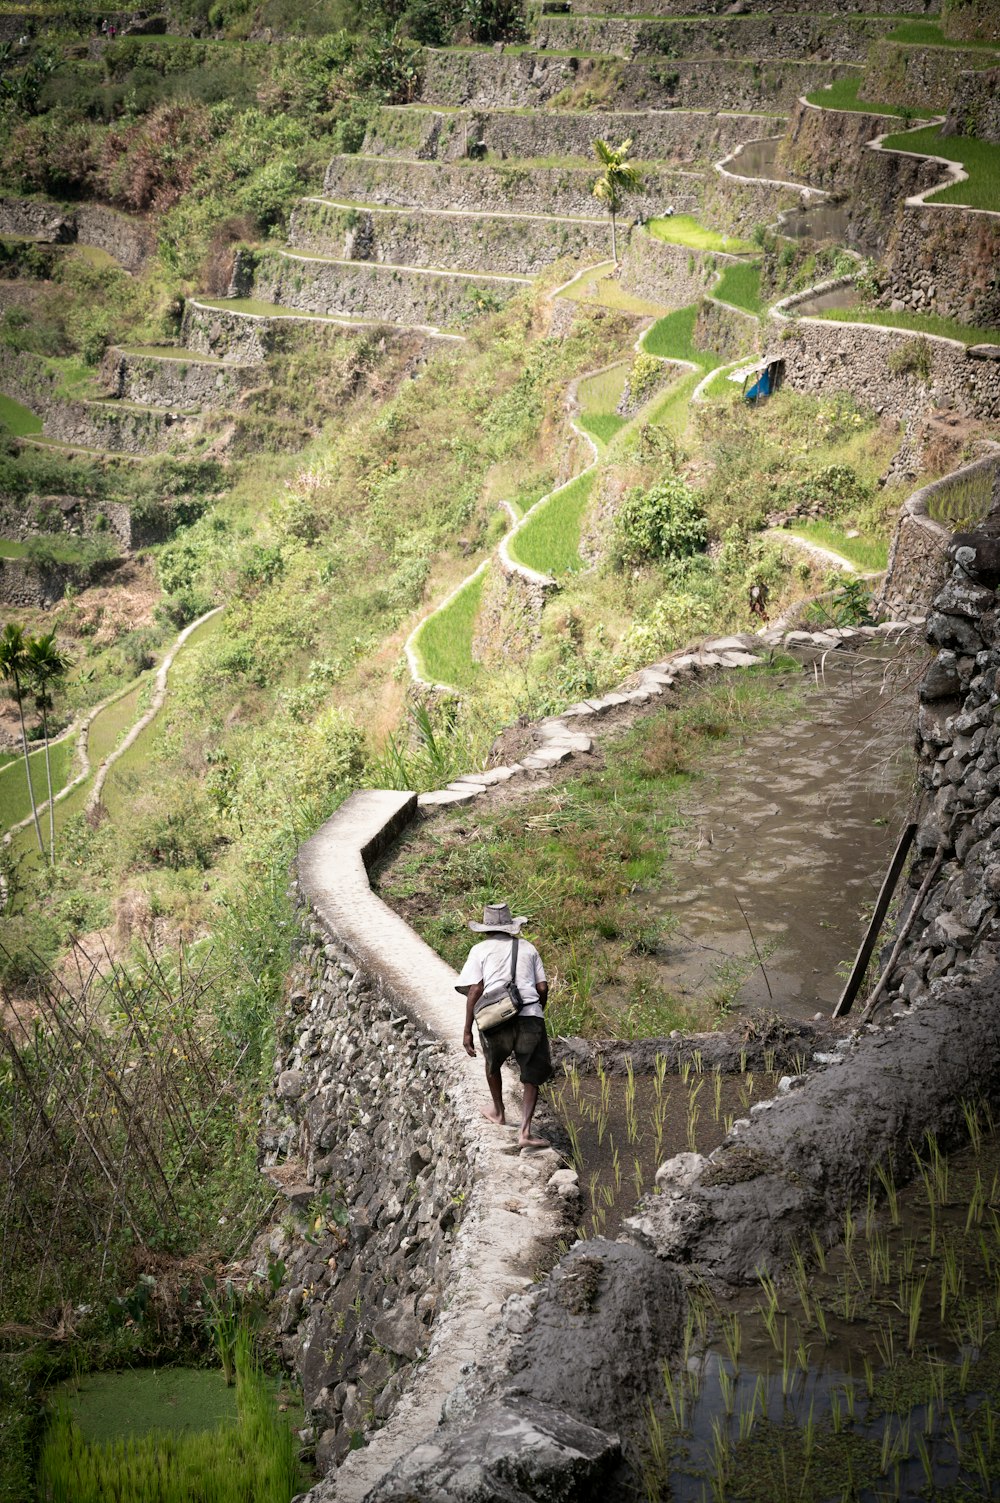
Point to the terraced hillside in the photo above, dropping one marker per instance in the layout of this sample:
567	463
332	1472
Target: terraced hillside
343	451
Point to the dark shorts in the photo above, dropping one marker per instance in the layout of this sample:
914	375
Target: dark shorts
528	1041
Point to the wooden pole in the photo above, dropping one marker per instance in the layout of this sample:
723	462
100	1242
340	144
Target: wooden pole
864	954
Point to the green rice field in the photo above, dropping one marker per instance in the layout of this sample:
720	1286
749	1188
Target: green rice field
842	94
870	555
980	159
15	803
444	642
550	540
599	286
739	286
684	229
920	323
18	419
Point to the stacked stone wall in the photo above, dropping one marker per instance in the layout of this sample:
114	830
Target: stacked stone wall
27	587
680	136
943	259
509	623
824	146
917	78
918	556
505	244
730	332
974	109
883	368
476	187
48	516
491	80
168	382
971	20
669	274
130	241
883	180
370	290
227	334
797	35
37	218
405	1222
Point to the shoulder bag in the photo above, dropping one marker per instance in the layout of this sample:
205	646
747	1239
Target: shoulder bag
502	1008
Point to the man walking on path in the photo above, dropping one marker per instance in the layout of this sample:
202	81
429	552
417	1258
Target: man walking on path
487	972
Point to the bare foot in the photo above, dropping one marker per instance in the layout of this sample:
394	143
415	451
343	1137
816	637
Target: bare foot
492	1115
527	1141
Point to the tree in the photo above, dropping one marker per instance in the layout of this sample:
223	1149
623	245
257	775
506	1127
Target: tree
15	669
46	665
618	178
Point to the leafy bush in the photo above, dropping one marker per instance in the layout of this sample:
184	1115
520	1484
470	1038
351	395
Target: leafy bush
665	521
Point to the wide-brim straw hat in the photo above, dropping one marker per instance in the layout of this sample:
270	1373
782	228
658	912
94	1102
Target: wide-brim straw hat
497	918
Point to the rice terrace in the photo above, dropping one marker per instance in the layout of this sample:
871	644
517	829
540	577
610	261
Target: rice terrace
499	751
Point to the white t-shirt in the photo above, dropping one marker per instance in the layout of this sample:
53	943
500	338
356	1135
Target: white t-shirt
489	962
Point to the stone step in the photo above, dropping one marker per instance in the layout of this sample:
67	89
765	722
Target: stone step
504	243
797	36
474	187
374	290
244	331
675	137
479	77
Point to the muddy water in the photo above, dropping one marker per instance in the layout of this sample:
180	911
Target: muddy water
799	828
823	222
838	297
759	159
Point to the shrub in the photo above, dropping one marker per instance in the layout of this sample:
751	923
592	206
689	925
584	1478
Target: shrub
665	521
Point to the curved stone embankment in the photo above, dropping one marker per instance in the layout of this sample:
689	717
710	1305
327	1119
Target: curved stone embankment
918	554
879	365
919	78
175	379
797	34
130	241
387	1306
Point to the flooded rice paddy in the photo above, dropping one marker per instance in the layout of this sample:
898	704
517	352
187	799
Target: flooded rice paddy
784	847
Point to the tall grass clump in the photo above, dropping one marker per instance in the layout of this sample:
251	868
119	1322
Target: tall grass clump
253	1461
550	540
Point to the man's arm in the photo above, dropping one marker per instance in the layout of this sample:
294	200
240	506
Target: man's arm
542	988
472	996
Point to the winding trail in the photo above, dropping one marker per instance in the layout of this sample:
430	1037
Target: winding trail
81	729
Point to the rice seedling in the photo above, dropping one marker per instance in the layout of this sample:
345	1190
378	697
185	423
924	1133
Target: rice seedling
879	1260
869	1373
616	1166
787	1365
727	1122
676	1391
911	1300
746	1091
659	1074
977	1202
684	1070
800	1277
836	1413
637	1177
743	1061
895	1445
821	1324
698	1062
657	1458
721	1459
818	1249
974	1127
885	1342
955	1433
732	1336
769	1058
727	1388
717	1092
849	1397
693	1113
964	1370
802	1354
885	1177
924	1455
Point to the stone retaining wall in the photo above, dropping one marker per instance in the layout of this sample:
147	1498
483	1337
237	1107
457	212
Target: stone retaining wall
730	332
408	1220
823	356
737	205
918	556
74	516
883	180
918	78
681	136
974	108
371	290
492	80
943	259
162	381
669	274
951	908
971	20
843	39
824	146
117	427
475	187
130	241
505	243
27	587
229	335
509	622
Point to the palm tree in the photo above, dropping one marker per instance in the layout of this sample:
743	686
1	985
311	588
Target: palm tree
618	178
46	664
14	668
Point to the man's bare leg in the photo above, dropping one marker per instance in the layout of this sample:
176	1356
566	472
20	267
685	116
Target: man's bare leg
496	1114
529	1102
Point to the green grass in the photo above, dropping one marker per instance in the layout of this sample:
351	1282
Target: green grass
598	286
720	387
964	503
108	727
15	804
672	338
602	426
740	286
867	554
18	419
114	1405
65	550
444	643
550	541
920	323
842	94
980	159
684	229
930	34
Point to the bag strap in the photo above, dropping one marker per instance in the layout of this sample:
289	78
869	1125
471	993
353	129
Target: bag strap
513	972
